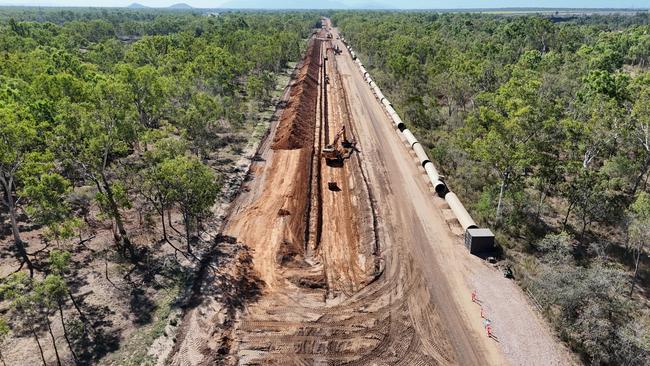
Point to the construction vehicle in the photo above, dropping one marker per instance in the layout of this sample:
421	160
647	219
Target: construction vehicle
332	154
337	50
329	35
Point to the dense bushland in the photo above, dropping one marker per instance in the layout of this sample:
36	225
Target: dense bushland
110	117
542	126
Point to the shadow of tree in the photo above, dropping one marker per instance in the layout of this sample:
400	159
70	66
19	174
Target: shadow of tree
142	307
94	336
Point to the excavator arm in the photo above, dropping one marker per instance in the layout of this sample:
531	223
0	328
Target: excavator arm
331	152
338	136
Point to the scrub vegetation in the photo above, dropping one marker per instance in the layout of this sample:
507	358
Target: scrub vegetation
542	127
121	132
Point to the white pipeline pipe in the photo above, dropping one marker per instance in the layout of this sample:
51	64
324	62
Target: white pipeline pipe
398	121
421	154
465	220
409	137
432	173
431	170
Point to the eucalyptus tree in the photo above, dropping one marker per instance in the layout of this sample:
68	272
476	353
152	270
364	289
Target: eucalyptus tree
19	147
92	137
24	307
192	186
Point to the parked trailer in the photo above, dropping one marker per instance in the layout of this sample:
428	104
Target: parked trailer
479	240
465	220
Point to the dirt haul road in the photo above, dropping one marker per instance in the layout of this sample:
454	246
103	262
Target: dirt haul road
369	273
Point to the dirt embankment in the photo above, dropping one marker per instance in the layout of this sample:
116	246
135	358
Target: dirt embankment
274	223
271	218
296	126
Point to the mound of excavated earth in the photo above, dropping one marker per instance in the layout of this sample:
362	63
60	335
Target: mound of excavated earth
296	126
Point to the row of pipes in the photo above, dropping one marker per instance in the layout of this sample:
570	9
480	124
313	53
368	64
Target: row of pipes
440	187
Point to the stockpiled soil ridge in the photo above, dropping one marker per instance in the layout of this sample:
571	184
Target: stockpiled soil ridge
296	126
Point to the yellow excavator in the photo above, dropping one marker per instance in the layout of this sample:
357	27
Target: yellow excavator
332	154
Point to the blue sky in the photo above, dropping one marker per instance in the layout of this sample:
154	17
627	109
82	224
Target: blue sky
403	4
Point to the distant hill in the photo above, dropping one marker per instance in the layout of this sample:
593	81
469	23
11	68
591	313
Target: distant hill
369	5
289	4
137	6
180	6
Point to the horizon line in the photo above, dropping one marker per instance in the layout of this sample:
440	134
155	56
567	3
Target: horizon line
144	7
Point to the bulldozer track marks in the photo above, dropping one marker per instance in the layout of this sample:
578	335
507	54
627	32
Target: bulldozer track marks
340	286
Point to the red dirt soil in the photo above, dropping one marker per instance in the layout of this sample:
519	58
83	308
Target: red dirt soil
296	126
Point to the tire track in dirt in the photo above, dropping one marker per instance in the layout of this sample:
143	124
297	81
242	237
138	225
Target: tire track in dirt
360	317
330	294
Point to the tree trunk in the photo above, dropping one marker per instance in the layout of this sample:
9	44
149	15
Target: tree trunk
568	212
162	221
169	221
542	195
20	244
637	260
82	316
585	223
65	335
501	191
56	350
186	219
123	238
40	348
643	172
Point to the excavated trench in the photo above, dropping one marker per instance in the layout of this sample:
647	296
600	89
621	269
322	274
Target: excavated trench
308	282
311	249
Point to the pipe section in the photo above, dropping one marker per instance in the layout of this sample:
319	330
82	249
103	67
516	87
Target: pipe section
465	220
421	154
432	173
396	120
409	137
